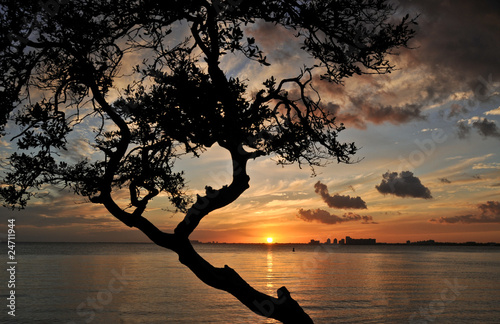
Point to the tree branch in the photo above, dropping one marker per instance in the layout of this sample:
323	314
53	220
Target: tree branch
215	199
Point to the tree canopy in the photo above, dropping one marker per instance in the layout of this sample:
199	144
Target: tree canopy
62	61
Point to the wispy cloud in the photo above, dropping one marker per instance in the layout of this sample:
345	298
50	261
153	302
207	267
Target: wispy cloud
486	166
489	213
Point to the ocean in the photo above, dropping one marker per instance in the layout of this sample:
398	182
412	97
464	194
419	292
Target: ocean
141	283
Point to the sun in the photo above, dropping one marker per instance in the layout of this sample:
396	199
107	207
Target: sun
269	240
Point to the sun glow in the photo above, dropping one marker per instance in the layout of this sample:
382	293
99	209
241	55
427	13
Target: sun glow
269	240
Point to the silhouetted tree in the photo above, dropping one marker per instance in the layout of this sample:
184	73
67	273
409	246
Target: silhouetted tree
61	60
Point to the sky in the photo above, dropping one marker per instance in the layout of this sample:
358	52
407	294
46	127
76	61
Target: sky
429	158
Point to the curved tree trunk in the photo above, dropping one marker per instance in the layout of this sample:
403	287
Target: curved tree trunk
282	308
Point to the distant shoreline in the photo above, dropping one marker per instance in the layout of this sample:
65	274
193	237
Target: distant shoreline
424	243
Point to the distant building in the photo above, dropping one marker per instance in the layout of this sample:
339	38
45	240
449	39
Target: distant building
428	242
351	241
314	242
408	242
342	242
334	241
328	241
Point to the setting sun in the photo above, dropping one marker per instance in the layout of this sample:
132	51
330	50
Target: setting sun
269	240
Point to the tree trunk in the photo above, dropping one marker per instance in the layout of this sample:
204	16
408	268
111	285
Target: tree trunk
283	308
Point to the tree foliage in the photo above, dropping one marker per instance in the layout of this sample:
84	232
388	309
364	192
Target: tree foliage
62	61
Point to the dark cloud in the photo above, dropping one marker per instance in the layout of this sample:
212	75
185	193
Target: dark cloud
364	111
483	126
404	184
458	44
490	208
457	110
322	216
463	130
338	201
444	180
378	113
458	37
394	115
455	52
489	213
352	119
486	128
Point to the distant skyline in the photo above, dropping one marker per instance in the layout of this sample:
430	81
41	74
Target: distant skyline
429	163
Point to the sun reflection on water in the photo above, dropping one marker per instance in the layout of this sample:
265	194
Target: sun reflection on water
269	275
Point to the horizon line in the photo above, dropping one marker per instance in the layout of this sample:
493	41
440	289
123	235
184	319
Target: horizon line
427	242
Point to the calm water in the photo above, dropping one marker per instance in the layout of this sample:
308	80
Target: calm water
142	283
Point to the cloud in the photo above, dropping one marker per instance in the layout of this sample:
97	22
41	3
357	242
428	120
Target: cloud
489	213
463	130
454	58
51	221
5	144
444	180
322	216
490	208
484	127
77	149
403	185
338	201
494	165
458	38
425	130
361	112
278	43
54	207
457	110
493	112
379	113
